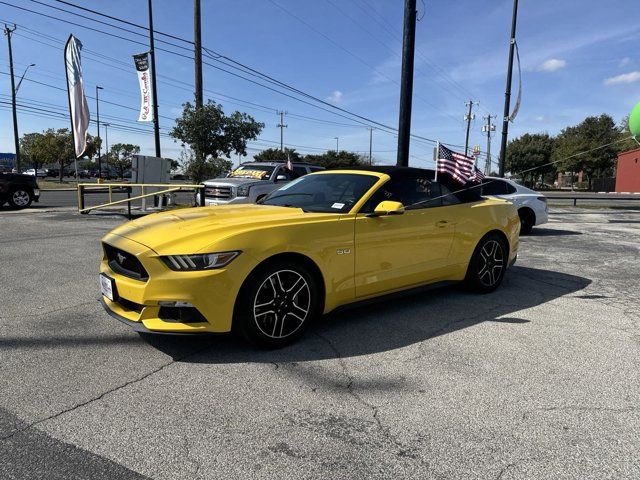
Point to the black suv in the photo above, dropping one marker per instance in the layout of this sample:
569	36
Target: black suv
19	190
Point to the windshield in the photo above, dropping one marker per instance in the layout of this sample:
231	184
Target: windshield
258	172
327	192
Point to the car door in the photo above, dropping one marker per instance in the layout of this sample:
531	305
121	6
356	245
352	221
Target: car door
399	251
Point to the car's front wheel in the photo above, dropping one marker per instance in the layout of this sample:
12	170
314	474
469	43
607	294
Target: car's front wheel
276	304
488	264
20	198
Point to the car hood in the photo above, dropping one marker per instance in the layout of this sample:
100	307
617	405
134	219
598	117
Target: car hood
194	230
233	181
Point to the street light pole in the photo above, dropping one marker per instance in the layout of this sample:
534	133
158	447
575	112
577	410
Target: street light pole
370	145
22	77
98	88
337	144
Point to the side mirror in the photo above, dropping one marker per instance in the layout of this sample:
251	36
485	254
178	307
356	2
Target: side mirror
281	178
387	208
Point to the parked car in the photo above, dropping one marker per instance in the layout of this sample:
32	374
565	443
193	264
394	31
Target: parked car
532	206
18	190
320	242
39	174
251	182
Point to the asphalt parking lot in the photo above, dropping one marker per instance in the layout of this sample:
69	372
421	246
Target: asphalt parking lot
537	380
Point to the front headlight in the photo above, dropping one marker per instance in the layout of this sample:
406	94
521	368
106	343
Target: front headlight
204	261
243	191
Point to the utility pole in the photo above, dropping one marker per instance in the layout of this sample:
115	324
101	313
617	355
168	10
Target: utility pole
337	144
281	126
154	84
197	42
507	93
406	82
16	137
98	88
468	117
488	128
370	145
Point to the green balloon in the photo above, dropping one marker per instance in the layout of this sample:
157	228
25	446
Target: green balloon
634	121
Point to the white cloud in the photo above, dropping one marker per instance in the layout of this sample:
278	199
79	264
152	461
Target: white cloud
335	97
624	62
624	78
541	118
552	65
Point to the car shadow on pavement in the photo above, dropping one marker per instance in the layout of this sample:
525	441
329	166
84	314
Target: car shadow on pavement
388	325
551	232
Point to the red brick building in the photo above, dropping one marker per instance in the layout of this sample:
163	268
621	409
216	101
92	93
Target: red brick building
628	171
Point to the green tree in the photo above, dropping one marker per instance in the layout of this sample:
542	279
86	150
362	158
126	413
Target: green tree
32	148
627	143
530	151
121	155
211	134
591	133
199	171
276	155
333	159
55	147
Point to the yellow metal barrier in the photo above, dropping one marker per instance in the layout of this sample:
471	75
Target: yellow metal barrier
111	188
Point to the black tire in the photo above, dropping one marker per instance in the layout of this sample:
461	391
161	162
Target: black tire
527	221
276	304
488	264
20	197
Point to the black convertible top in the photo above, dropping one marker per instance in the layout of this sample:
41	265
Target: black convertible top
464	193
394	171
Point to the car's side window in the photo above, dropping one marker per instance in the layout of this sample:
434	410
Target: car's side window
299	171
495	187
287	173
448	197
412	192
510	188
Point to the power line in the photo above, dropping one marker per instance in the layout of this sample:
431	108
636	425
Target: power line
237	65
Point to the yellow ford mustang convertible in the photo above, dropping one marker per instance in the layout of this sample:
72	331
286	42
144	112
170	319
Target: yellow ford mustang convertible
325	240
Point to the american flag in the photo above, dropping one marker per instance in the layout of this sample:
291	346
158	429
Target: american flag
459	166
478	176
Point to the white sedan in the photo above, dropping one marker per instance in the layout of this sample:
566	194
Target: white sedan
32	172
532	206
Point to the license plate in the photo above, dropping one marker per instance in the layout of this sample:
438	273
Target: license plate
108	287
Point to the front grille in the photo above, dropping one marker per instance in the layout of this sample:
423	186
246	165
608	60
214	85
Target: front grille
219	193
125	263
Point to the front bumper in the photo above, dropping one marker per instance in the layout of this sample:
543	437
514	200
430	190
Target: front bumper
139	303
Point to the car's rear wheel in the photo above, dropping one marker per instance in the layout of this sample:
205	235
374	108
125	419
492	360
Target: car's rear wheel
527	220
20	198
488	264
276	304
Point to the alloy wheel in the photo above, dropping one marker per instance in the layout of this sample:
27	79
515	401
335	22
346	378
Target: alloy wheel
491	263
20	198
282	304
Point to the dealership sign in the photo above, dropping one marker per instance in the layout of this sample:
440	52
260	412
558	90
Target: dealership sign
146	103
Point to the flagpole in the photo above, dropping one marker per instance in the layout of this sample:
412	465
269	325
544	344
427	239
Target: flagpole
435	159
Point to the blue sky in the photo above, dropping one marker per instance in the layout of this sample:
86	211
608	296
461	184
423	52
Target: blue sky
579	58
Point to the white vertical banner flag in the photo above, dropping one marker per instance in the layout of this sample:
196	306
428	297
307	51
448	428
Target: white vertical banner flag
78	109
144	79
